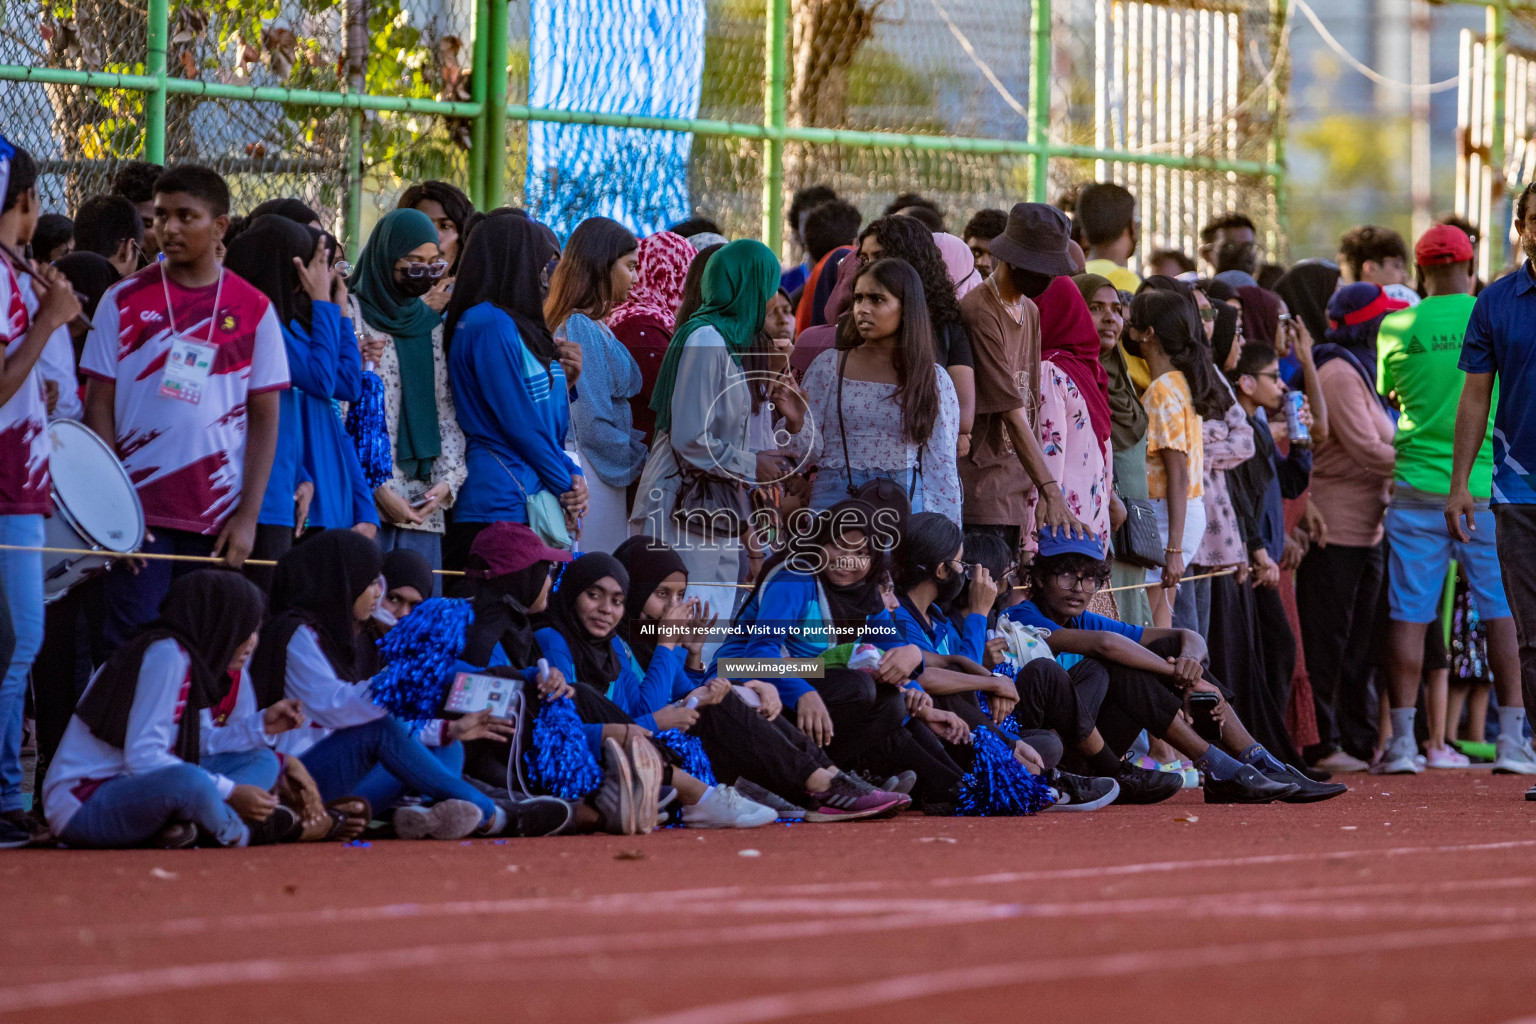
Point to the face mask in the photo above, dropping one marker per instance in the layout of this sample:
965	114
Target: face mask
384	618
414	287
949	588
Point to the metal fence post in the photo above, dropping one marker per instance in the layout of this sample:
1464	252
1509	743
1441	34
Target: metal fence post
775	82
496	107
357	84
1278	91
1040	97
156	39
479	77
1498	57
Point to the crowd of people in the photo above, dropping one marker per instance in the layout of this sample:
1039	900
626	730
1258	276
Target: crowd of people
809	542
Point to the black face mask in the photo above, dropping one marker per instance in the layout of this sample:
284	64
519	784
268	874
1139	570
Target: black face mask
414	287
949	588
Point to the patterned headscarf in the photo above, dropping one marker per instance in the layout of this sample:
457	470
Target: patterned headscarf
663	267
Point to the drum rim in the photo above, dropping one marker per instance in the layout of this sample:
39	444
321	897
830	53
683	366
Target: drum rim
61	509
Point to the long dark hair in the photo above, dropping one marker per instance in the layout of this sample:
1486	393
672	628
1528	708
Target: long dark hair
583	281
906	238
456	207
928	540
501	265
693	284
918	391
1175	321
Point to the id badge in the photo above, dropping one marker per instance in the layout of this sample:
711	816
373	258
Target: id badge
187	368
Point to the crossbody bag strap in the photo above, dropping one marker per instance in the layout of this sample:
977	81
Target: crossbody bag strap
842	431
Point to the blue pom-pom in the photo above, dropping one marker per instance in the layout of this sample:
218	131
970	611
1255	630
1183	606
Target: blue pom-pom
420	655
1009	724
370	431
997	784
690	750
560	762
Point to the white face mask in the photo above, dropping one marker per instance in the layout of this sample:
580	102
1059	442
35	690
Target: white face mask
382	616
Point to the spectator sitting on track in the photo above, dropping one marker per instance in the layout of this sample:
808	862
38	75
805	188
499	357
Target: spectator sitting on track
1144	673
1040	699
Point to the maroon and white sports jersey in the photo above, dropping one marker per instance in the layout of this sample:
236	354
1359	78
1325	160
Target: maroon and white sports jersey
186	458
24	419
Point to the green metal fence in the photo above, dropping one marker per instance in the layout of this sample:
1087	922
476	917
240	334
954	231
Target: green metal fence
343	102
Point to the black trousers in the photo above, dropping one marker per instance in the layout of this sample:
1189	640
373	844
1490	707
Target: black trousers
456	544
743	744
71	649
1254	653
272	543
1338	600
1050	713
868	732
1134	699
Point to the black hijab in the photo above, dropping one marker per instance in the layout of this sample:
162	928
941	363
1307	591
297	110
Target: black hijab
315	585
596	662
263	255
503	264
403	567
649	562
292	209
210	613
1224	334
501	611
1306	289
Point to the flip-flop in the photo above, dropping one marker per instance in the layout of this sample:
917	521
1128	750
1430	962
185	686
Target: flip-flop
345	819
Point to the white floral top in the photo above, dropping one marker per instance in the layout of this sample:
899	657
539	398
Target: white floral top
875	437
1078	462
449	465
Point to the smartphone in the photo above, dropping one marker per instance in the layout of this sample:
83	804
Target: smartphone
1202	710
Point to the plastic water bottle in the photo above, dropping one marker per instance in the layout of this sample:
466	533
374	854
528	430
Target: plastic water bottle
1301	437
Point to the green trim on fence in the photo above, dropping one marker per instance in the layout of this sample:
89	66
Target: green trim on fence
1040	98
775	82
155	39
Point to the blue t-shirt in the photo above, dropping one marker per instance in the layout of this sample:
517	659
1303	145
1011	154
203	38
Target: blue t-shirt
1501	339
1027	614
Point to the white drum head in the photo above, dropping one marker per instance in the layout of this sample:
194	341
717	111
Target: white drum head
93	489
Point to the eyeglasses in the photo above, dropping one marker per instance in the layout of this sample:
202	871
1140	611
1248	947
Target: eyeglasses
1074	581
1207	314
433	270
1273	375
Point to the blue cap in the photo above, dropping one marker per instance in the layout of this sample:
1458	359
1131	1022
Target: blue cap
1064	543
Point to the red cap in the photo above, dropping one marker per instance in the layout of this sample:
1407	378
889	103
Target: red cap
1441	244
510	547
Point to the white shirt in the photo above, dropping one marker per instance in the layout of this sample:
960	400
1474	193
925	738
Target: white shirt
57	363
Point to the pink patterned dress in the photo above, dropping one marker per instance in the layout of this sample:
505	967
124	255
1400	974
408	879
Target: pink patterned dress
1074	456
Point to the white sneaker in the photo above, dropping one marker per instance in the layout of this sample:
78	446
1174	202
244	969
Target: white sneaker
723	807
1515	757
446	819
1400	758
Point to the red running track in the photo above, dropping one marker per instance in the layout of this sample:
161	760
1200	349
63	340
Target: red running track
1409	899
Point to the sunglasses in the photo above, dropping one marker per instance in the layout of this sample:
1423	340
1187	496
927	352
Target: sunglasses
433	270
1207	314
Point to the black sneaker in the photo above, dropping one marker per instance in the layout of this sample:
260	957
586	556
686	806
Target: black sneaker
758	795
13	838
174	835
534	816
1248	786
1143	786
281	826
1080	793
1530	794
903	783
1309	791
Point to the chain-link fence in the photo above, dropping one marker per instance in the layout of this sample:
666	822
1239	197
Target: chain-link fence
950	98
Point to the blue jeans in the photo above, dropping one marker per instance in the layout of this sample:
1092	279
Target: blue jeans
342	761
382	789
427	545
131	808
831	485
22	574
133	599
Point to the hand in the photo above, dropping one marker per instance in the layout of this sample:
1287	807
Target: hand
302	496
437	298
300	792
56	301
555	687
432	499
791	403
1317	529
700	626
1029	757
1051	513
962	445
674	717
479	725
373	348
768	695
771	467
813	719
1003	698
574	501
898	664
712	692
569	354
673	624
1117	511
1301	341
235	540
994	653
284	716
917	700
1265	572
315	277
339	293
252	803
1304	414
1173	570
983	591
394	508
1460	504
1242	571
368	530
947	726
1223	709
622	734
1186	671
1295	551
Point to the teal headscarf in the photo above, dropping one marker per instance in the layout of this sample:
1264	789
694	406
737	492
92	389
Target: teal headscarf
410	322
739	282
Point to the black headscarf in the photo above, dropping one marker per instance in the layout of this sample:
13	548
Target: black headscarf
501	606
263	255
1224	334
853	603
406	568
90	274
649	562
593	656
210	613
295	210
503	264
1306	289
315	585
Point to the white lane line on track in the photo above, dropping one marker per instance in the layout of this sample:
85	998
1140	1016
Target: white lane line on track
845	998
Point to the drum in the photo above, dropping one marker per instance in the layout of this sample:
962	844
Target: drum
96	507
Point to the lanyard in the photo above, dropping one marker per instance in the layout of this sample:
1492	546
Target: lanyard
213	316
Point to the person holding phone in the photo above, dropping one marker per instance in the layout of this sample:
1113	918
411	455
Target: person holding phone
1147	675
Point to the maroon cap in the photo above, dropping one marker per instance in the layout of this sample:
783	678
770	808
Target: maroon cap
1443	243
510	547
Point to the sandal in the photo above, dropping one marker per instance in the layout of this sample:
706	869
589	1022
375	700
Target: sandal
345	819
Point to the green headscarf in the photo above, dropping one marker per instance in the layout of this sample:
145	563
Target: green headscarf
410	322
1127	418
738	284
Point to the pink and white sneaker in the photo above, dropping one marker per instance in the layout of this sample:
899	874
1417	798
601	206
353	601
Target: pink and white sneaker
1447	757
